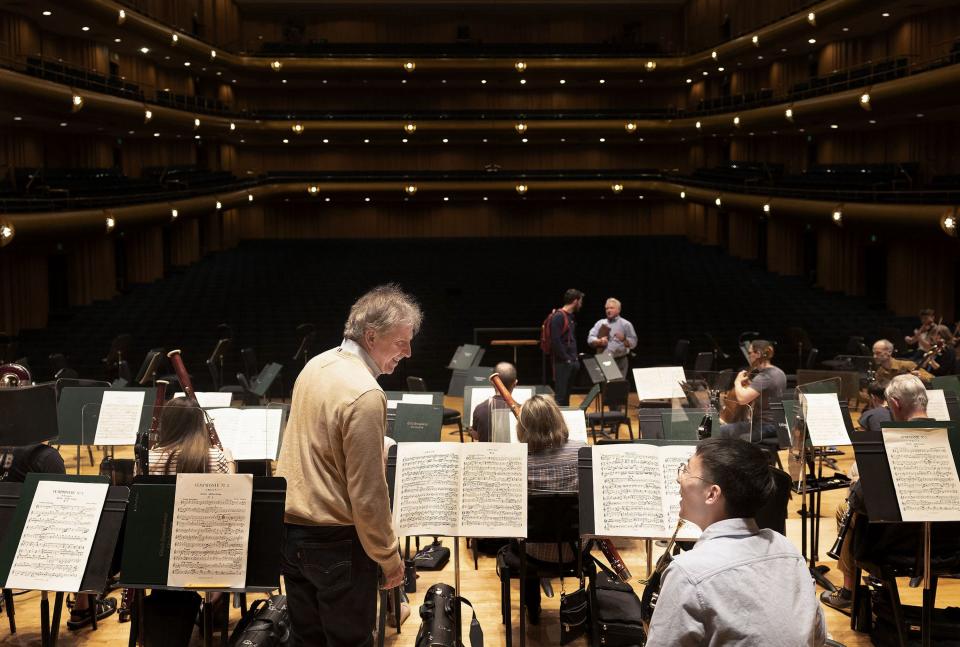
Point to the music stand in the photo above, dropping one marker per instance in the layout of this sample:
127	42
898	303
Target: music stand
217	357
601	368
78	409
29	415
308	334
149	368
101	552
466	358
145	559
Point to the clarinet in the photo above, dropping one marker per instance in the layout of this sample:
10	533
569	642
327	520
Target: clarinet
187	385
834	552
651	589
606	546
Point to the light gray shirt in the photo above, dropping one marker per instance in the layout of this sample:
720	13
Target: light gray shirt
616	347
738	586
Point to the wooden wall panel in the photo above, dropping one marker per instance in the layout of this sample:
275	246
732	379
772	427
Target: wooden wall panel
840	260
180	14
230	228
185	242
24	300
141	153
20	147
922	275
18	37
92	271
144	253
784	246
704	17
742	238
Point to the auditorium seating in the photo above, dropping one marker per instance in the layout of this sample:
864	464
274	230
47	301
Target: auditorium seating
321	48
60	72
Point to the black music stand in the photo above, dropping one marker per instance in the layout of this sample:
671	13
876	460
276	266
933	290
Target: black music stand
307	333
147	538
29	415
466	358
99	562
216	359
149	368
602	368
880	497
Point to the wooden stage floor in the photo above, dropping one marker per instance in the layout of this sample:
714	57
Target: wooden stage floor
482	586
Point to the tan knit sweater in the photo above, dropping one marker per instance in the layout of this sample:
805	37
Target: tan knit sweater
332	453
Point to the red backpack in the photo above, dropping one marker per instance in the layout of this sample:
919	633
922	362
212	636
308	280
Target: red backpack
546	344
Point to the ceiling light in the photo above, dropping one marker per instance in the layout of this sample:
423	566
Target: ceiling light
521	188
838	214
885	14
409	66
563	81
834	126
766	207
410	189
174	214
249	197
233	126
218	206
47	13
651	65
788	113
213	53
276	65
63	124
366	141
366	199
689	80
919	115
77	102
6	233
630	126
144	50
520	66
717	201
326	141
721	69
616	188
603	139
759	57
116	40
698	125
196	122
410	128
445	140
873	121
683	195
602	81
186	63
846	29
297	128
949	223
755	40
285	140
18	118
865	100
713	54
812	41
174	39
736	120
812	18
446	199
524	140
483	81
705	73
404	140
156	134
84	28
520	127
523	81
121	17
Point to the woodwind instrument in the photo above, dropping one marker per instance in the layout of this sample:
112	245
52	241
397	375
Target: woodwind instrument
148	440
606	546
651	589
187	385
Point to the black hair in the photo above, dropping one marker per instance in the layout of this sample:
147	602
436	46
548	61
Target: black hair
571	295
877	389
763	347
742	472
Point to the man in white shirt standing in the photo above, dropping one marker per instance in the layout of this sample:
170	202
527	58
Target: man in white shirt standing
615	334
739	585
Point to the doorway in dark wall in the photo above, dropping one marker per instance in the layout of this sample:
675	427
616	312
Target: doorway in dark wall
58	286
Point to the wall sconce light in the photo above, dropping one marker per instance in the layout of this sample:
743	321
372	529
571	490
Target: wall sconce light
630	126
520	66
409	66
111	223
521	188
410	189
76	103
276	66
410	128
520	127
616	188
297	128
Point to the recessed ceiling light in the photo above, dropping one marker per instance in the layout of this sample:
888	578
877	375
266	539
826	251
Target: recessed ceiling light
919	115
760	57
689	80
484	140
846	29
783	49
404	140
130	132
18	118
144	50
326	141
117	40
563	81
444	81
366	141
524	140
446	199
873	121
834	126
285	140
563	140
63	124
186	63
885	14
283	80
706	73
603	139
47	13
445	140
324	81
720	69
84	28
366	199
483	81
156	134
403	81
485	198
523	81
812	41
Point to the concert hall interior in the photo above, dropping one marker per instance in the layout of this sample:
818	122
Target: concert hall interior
202	192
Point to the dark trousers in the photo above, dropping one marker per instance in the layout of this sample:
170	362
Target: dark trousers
331	586
563	374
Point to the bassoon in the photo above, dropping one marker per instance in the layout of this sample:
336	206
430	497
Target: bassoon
606	546
148	440
187	385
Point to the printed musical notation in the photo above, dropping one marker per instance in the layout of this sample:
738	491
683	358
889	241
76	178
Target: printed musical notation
825	424
57	537
211	526
924	473
635	490
249	434
477	490
119	419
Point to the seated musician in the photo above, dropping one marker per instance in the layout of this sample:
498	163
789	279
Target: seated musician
482	425
739	585
889	367
907	398
941	359
183	445
551	467
877	411
15	464
921	336
765	388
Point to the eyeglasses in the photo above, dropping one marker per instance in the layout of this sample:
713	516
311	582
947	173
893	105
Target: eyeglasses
682	469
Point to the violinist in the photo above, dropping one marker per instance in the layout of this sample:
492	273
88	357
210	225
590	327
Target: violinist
941	359
759	387
888	367
921	335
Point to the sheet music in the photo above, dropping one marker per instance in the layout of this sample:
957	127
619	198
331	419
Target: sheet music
635	490
937	405
924	473
211	528
418	398
250	434
56	540
576	424
493	492
392	404
821	412
209	399
119	419
477	490
659	382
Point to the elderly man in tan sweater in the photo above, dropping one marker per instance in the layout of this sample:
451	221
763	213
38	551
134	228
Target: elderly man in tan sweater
338	527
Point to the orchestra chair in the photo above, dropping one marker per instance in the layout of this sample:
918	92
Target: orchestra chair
615	396
680	352
250	366
225	388
552	517
891	550
703	362
450	416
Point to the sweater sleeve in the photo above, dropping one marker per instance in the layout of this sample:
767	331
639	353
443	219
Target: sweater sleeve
364	424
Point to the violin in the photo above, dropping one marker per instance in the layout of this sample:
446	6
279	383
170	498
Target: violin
929	361
732	410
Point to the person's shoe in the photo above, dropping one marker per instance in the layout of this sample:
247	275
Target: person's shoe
79	619
841	599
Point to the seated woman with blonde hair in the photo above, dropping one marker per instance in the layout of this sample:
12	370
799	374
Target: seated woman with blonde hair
551	467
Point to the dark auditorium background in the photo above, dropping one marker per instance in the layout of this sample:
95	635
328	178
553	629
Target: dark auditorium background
720	166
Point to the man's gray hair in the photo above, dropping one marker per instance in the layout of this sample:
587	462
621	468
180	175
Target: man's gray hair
382	308
909	392
507	373
615	302
886	343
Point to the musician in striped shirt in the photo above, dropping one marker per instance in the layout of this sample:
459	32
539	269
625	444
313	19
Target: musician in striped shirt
183	446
